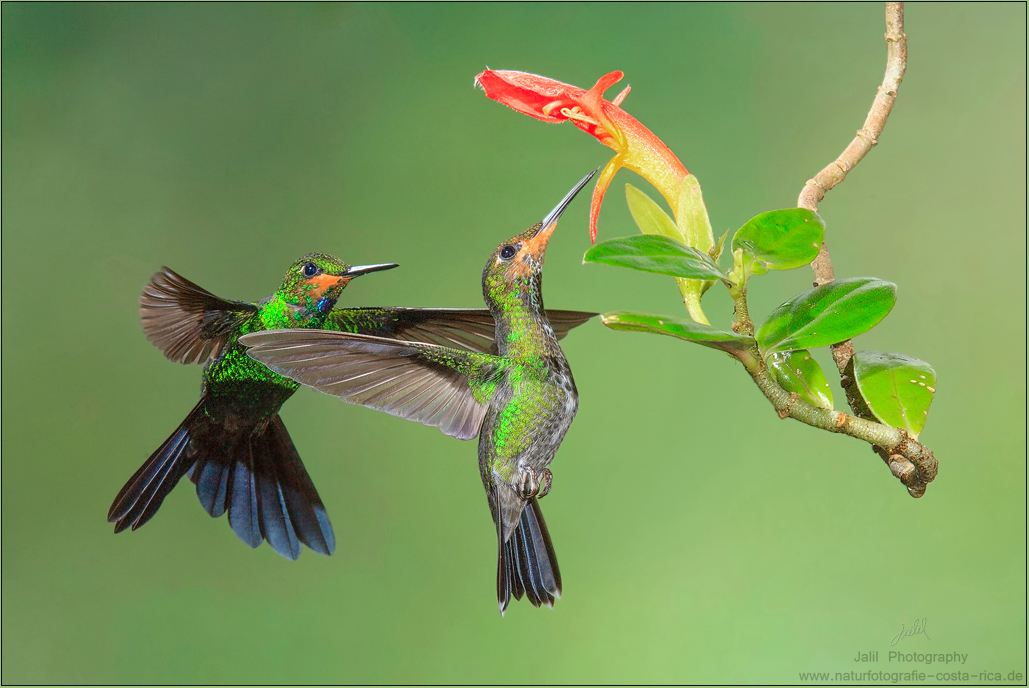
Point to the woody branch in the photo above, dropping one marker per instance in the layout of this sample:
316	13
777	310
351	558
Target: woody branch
910	461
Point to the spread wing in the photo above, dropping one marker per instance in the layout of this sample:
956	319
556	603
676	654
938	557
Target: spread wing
434	385
188	323
466	328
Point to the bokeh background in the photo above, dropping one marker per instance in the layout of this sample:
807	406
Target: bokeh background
701	538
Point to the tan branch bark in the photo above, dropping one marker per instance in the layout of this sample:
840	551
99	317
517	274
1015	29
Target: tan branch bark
835	172
911	462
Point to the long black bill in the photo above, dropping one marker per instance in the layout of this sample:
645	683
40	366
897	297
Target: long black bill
554	215
358	270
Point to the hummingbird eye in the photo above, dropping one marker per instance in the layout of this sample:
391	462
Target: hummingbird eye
508	252
310	269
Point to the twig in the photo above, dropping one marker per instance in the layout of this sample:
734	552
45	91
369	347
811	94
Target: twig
909	460
834	173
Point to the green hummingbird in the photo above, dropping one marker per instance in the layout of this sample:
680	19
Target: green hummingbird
233	444
520	401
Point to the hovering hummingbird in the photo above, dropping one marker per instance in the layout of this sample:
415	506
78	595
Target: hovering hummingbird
520	401
233	443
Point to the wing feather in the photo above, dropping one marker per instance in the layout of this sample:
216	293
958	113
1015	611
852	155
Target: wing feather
423	382
188	323
471	329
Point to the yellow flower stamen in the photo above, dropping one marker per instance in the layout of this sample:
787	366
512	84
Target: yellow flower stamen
548	108
576	114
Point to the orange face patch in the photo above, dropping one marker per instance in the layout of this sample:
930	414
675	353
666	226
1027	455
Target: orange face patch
537	245
322	283
534	248
520	267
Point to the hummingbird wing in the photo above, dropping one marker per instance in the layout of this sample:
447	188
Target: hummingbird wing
563	321
188	323
466	328
434	385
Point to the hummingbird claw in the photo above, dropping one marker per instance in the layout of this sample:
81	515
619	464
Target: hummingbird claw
528	485
534	484
548	478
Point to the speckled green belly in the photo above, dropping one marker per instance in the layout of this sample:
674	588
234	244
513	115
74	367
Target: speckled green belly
241	390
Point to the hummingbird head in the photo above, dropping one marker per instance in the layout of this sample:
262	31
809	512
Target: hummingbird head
517	264
316	280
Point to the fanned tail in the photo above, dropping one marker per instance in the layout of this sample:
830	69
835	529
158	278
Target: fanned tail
141	497
257	477
262	483
526	563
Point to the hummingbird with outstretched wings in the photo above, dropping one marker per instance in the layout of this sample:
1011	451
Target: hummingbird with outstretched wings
519	398
233	444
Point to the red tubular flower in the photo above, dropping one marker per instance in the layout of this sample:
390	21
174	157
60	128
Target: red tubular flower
635	146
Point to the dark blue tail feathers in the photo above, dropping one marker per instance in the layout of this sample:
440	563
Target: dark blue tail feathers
253	473
527	563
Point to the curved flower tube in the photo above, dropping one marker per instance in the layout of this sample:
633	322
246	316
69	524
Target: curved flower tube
636	147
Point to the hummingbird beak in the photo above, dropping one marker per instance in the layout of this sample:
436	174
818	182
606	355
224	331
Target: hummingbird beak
538	243
358	270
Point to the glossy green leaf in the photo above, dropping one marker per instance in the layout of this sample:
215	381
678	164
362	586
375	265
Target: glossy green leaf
897	388
673	327
827	314
653	253
780	239
649	216
797	371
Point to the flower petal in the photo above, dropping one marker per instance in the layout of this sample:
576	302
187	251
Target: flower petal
529	94
603	181
637	148
617	102
593	105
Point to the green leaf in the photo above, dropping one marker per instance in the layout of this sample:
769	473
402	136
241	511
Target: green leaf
653	253
897	388
796	371
827	314
780	239
649	216
673	327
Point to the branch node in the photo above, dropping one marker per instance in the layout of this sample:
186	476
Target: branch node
867	137
816	183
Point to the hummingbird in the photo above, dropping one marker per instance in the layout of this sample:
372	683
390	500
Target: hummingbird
519	401
233	444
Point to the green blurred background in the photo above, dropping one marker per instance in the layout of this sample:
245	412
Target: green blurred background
701	539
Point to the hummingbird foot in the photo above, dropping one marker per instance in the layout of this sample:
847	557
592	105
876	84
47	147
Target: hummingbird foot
548	478
528	485
533	484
